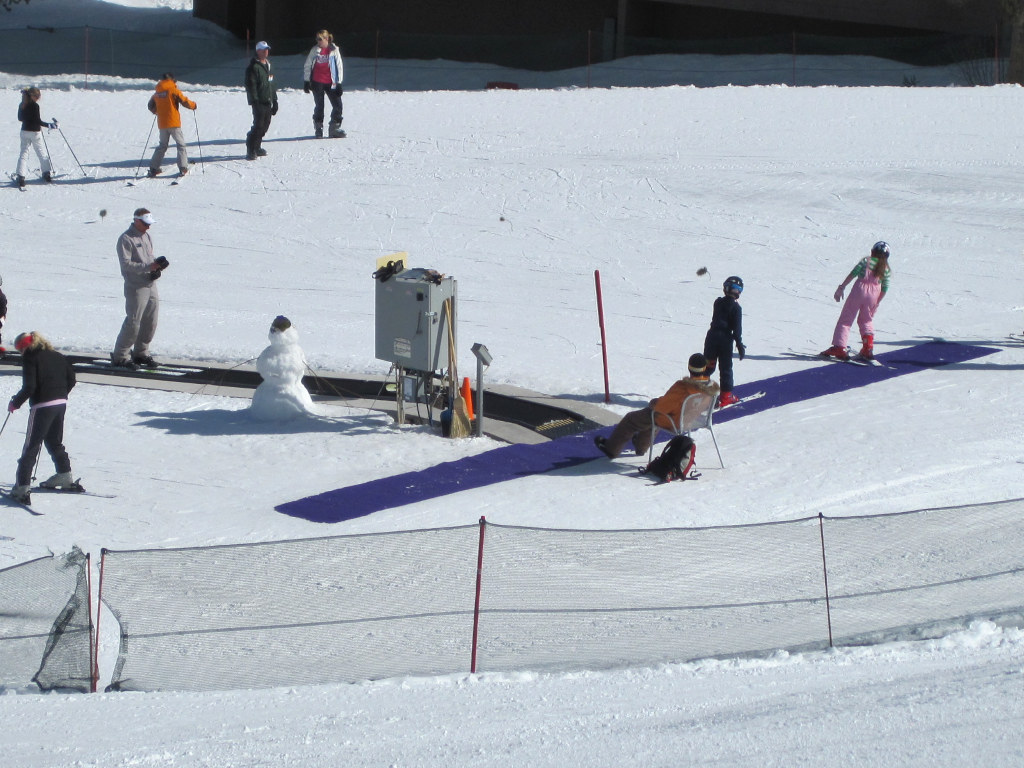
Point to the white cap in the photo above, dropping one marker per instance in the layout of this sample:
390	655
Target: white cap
146	218
262	45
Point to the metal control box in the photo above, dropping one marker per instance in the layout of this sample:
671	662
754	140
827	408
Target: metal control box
412	322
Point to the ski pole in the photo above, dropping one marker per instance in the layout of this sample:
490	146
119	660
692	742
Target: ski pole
5	423
46	146
61	132
145	148
199	141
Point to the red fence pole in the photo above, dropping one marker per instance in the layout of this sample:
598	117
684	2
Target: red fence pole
604	340
479	581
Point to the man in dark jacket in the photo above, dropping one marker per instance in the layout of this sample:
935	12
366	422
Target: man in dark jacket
262	96
47	378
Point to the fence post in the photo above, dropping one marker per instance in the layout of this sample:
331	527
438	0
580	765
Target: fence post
376	57
604	340
590	55
86	55
794	58
995	63
99	610
93	650
479	581
824	568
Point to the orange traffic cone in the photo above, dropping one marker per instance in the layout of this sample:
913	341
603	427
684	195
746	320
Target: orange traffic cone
467	396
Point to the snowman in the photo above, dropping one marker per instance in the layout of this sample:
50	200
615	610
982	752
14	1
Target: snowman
281	395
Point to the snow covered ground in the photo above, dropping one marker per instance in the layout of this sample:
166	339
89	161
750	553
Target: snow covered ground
521	195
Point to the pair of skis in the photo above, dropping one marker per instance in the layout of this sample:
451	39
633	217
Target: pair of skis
741	401
175	180
852	359
74	489
14	180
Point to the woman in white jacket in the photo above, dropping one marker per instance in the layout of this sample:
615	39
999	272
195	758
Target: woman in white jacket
324	73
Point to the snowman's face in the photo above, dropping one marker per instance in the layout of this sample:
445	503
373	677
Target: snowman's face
287	338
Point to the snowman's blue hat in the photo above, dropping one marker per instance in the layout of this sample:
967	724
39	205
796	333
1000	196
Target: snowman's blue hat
281	323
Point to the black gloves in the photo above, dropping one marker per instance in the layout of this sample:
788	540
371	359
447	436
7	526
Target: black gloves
305	86
337	89
741	349
273	109
154	275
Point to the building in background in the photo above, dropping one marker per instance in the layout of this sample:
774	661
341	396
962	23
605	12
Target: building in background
549	33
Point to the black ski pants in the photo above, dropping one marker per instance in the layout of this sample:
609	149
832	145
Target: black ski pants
718	351
45	427
334	96
261	117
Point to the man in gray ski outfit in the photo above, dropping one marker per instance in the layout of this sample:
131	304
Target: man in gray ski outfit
140	271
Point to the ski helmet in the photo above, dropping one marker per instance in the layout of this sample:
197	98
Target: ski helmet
733	283
881	248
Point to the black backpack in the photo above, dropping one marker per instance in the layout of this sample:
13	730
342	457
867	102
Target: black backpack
675	462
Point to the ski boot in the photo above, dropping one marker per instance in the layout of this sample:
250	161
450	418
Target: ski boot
145	361
154	172
318	129
47	177
602	445
123	362
727	398
21	181
61	481
334	130
838	353
867	351
22	494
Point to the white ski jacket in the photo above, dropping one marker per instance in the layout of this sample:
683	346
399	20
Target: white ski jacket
333	59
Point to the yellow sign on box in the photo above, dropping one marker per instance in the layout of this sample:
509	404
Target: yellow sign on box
401	260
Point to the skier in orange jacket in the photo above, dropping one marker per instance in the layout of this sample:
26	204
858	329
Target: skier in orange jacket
164	104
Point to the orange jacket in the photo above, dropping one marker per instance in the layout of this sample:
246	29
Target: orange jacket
164	104
672	401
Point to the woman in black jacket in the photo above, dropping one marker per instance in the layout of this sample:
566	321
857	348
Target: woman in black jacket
32	135
47	378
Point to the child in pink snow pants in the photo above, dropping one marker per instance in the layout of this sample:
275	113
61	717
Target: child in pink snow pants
872	275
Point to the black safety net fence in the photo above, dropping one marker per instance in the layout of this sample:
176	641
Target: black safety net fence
45	624
497	598
336	609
